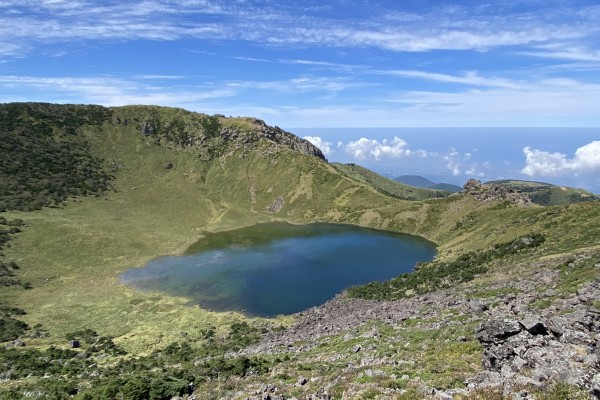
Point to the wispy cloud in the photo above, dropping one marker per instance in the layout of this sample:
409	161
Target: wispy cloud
313	59
570	54
300	84
326	65
168	90
470	78
539	103
31	22
242	58
109	91
159	77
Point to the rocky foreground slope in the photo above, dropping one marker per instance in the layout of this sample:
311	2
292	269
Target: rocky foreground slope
526	349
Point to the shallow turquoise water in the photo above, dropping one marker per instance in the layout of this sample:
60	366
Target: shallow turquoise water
278	268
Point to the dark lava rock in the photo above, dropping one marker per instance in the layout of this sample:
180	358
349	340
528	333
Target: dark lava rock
534	325
496	331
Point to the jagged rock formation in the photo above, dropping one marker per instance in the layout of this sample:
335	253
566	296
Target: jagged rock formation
281	137
534	349
493	192
214	136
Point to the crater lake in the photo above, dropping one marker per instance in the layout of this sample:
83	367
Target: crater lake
278	268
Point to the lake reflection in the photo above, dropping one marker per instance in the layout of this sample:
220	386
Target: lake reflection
278	268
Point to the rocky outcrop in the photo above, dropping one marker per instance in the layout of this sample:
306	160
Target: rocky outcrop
262	132
213	138
536	349
276	206
492	192
283	138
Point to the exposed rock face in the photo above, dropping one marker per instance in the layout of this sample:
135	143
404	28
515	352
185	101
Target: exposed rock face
287	139
217	139
490	192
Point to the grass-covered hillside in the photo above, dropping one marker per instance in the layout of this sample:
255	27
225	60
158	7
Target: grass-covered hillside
388	186
91	191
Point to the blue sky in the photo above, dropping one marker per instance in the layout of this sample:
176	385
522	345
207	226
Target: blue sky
306	64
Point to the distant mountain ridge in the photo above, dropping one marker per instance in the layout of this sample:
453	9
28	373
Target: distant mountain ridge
422	182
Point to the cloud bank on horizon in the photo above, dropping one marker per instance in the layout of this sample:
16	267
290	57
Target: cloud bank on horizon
546	164
583	167
313	63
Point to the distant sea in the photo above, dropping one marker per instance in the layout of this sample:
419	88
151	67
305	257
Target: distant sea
453	155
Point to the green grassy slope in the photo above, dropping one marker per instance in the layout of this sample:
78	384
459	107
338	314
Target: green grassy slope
388	186
166	195
72	255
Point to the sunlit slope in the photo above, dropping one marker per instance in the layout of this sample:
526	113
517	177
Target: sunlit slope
388	186
72	255
166	195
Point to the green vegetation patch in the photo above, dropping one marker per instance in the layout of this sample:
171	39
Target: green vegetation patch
176	370
44	158
439	274
8	229
11	328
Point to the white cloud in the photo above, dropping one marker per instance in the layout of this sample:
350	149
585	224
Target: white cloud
364	148
543	163
325	147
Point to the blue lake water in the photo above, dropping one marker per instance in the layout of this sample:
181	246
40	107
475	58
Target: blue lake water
278	268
